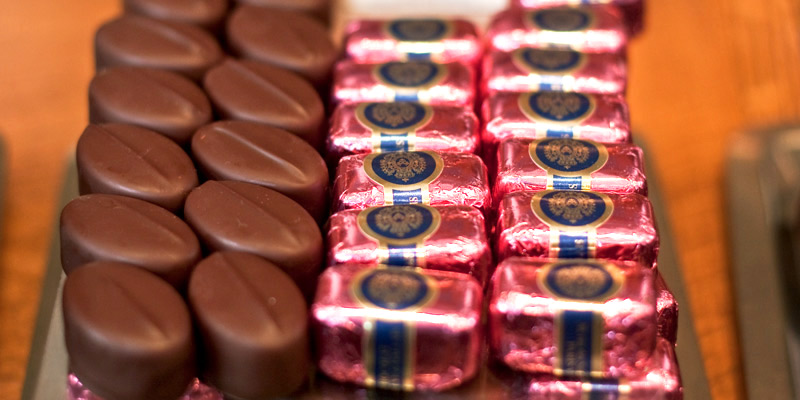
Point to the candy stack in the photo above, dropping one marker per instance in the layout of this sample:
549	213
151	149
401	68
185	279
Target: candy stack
400	306
576	305
194	249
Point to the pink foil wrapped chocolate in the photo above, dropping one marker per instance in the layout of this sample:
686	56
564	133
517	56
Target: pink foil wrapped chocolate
420	81
397	328
660	381
590	29
573	224
447	238
568	164
667	308
632	10
196	391
577	318
360	128
425	177
437	40
531	70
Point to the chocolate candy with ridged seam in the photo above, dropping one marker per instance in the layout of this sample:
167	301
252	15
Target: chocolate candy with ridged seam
252	321
105	227
207	14
283	38
132	161
252	91
132	40
128	333
320	9
267	156
159	100
241	216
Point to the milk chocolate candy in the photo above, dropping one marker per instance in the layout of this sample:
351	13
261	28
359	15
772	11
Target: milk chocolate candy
207	14
132	161
159	100
270	157
320	9
252	321
282	38
241	216
104	227
252	91
128	333
132	40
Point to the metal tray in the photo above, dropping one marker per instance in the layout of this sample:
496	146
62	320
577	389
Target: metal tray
47	367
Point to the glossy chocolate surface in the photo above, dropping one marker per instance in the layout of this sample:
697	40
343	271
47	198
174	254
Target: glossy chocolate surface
128	333
132	40
207	14
253	91
267	156
317	8
159	100
132	161
241	216
104	227
284	38
252	321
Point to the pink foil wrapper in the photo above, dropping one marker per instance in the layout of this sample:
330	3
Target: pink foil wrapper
667	308
632	10
590	29
571	224
568	164
448	238
364	128
426	177
196	391
577	318
530	70
437	40
660	381
450	84
397	328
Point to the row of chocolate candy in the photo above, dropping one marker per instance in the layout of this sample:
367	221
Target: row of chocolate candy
583	327
400	306
133	244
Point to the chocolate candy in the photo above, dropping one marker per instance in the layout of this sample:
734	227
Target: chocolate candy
438	40
136	162
317	8
282	38
241	216
425	177
421	81
397	328
401	126
568	164
267	156
448	238
572	224
128	333
592	29
132	40
527	70
252	91
207	14
159	100
581	318
104	227
252	321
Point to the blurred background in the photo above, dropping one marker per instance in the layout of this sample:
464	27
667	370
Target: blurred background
702	71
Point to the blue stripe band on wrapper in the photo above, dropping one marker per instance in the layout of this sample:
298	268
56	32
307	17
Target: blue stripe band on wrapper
407	196
419	56
397	142
406	97
576	342
390	353
573	245
567	182
604	390
560	133
402	256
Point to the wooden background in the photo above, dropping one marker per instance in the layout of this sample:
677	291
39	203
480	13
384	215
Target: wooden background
703	70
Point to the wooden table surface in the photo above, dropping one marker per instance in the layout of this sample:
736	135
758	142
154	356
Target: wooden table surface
703	70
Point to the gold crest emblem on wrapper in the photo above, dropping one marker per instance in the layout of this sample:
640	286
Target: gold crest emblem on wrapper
392	115
394	288
557	107
393	223
584	281
403	166
547	62
563	19
572	206
410	77
566	154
